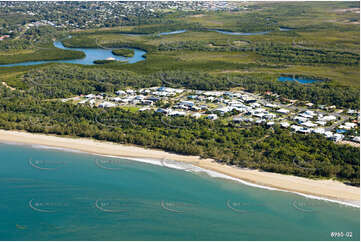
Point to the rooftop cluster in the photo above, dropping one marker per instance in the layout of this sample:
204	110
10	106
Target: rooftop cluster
85	15
238	107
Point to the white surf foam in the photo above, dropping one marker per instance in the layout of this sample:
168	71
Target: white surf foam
192	168
45	147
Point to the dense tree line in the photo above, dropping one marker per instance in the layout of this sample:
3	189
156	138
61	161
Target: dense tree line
42	55
256	22
19	44
321	92
274	53
296	55
167	26
33	38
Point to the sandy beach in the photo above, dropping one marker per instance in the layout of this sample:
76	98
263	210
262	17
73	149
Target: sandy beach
321	188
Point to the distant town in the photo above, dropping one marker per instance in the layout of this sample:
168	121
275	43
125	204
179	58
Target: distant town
85	15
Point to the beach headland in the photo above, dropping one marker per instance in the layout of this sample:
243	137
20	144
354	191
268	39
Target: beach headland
326	189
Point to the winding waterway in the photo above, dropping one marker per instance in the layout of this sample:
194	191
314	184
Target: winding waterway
91	54
172	32
239	33
282	29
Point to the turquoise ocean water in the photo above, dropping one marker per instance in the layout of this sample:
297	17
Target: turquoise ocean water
51	194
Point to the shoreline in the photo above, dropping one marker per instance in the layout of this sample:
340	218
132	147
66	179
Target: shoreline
329	190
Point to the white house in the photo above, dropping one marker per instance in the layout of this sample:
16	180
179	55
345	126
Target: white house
328	118
271	105
120	92
147	102
285	124
310	112
255	105
177	113
237	119
322	123
195	108
140	97
328	134
351	111
204	107
319	131
305	115
309	124
117	99
296	127
248	119
283	111
213	93
163	110
107	105
196	115
223	110
349	125
90	96
301	119
269	116
210	99
187	103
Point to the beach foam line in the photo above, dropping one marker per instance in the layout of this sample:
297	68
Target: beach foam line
194	169
215	174
56	148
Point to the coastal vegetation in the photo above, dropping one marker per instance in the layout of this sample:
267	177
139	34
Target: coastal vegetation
316	42
123	52
104	61
39	55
